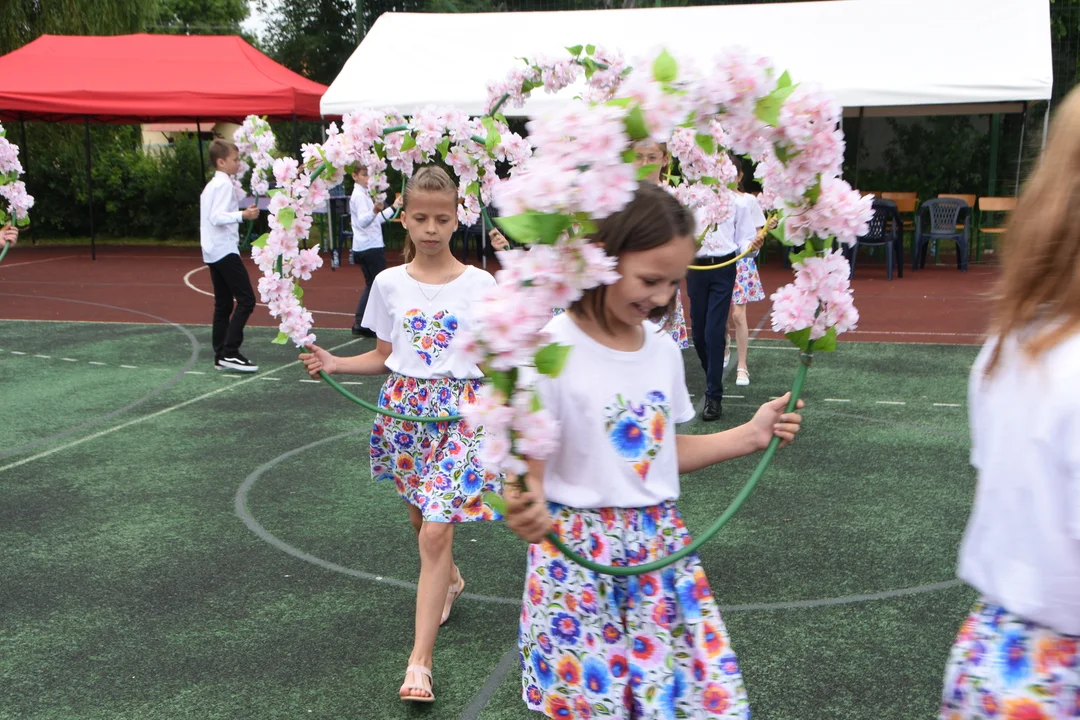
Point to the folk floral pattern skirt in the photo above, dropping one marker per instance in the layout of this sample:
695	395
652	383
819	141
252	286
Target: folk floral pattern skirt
435	466
1006	668
646	647
676	324
748	287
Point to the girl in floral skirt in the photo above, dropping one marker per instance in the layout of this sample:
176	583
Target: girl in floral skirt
748	287
653	645
416	310
1015	657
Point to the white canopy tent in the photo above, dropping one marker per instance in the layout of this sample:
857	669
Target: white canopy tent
877	57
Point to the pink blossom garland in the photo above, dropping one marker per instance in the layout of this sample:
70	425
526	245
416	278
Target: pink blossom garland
256	143
12	189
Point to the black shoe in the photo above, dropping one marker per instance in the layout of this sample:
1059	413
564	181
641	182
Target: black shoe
236	362
712	410
359	331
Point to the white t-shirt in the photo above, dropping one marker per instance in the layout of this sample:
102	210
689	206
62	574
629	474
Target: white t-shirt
736	233
421	321
617	413
1021	548
366	223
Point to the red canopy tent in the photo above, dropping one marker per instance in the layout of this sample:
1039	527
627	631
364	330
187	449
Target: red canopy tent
149	78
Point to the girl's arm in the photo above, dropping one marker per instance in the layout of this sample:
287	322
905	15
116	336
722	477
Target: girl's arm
370	363
527	512
701	451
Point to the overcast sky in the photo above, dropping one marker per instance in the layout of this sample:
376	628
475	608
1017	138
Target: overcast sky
255	23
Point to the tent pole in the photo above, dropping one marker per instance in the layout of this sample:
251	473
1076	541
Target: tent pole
1020	152
858	144
1046	126
25	148
295	136
89	187
202	160
995	138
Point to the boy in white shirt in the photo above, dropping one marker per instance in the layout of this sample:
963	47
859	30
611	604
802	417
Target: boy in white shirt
219	235
368	249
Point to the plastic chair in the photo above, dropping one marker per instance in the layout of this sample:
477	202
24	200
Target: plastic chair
992	206
886	230
942	219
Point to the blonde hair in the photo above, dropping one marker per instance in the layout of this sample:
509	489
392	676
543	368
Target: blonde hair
430	178
1040	280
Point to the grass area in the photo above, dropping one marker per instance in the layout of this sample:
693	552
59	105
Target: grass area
133	590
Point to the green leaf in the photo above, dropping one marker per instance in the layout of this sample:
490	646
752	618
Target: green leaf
646	170
444	148
22	222
286	216
281	339
472	188
298	292
826	343
590	49
261	240
503	381
496	502
488	122
528	86
784	81
272	192
768	107
815	192
493	139
575	50
635	124
408	143
534	227
590	67
780	233
629	156
800	338
664	68
706	180
3	218
620	102
806	251
706	143
536	405
784	153
551	358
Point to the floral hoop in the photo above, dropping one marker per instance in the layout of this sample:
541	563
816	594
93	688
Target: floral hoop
17	201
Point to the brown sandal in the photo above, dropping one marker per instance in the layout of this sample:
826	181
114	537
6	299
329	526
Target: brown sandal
423	672
452	594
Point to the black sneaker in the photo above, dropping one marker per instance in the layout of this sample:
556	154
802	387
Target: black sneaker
360	331
238	363
712	410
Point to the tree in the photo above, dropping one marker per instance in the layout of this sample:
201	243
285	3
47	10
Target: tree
199	17
26	20
311	37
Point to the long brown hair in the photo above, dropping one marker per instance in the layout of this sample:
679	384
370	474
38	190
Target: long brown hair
430	178
1040	280
652	219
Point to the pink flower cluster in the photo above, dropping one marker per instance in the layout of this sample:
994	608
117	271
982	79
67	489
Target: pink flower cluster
577	166
555	74
819	299
255	141
11	188
839	212
511	335
280	258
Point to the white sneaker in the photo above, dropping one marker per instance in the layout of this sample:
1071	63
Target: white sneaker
742	378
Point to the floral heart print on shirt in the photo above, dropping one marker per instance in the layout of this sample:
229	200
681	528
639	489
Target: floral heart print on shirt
430	336
636	430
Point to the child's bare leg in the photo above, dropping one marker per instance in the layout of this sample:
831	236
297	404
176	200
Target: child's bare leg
436	570
742	334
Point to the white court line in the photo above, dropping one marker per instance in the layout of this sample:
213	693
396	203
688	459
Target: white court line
352	383
35	262
151	416
317	382
890	402
187	281
194	372
129	367
947	405
16	352
69	359
840	400
92	362
271	379
44	357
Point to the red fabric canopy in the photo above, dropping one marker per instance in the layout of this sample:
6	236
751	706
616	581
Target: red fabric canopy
146	78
